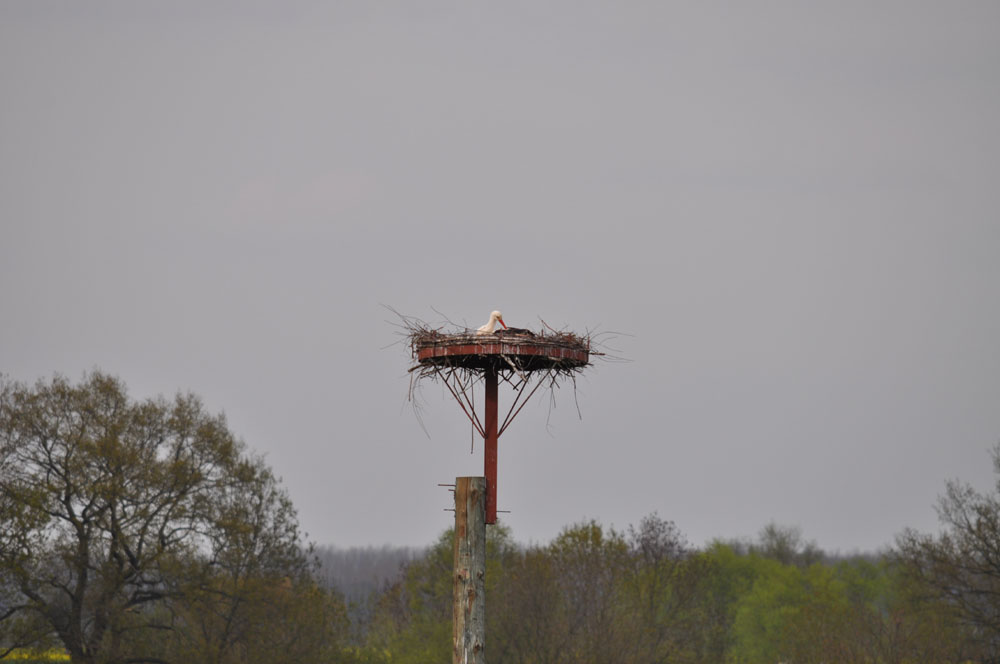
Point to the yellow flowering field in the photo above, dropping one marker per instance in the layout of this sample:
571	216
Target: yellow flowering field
27	655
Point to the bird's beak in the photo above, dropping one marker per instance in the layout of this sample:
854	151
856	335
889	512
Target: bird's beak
502	323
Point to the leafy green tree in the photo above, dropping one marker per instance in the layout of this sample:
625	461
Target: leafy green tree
252	595
117	517
594	595
528	613
413	617
661	585
764	612
961	567
413	620
590	563
786	545
729	575
888	622
855	612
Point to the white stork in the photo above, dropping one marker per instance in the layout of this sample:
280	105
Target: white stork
495	317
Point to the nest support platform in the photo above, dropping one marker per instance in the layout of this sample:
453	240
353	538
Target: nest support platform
520	353
519	358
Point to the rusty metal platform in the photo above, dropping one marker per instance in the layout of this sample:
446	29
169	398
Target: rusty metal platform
501	351
519	357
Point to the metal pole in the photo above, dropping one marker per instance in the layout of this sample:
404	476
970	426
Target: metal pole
490	457
469	621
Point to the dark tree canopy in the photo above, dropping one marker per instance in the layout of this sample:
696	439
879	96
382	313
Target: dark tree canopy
116	516
961	565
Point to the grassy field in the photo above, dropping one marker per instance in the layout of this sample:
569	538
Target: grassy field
42	657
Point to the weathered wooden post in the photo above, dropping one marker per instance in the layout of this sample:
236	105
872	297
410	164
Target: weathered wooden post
469	622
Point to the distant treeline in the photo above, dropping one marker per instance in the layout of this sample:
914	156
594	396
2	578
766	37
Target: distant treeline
596	595
357	572
146	532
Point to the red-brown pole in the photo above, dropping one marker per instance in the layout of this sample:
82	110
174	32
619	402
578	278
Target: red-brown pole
491	446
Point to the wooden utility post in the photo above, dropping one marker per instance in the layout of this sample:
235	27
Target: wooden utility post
469	624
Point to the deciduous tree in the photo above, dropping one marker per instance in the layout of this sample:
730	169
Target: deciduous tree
961	566
116	514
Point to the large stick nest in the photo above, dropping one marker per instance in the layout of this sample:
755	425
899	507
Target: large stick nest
520	351
459	358
516	350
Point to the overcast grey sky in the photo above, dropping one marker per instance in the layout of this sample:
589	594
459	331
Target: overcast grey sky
793	207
